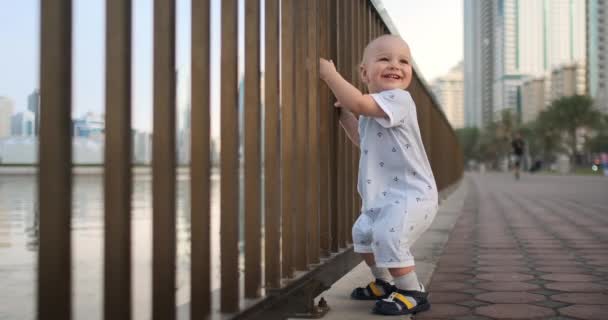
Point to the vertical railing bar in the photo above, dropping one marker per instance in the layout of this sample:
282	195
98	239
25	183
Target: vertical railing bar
334	29
341	159
229	226
357	79
272	152
163	162
313	130
54	255
117	170
200	167
252	159
301	145
287	136
348	207
324	135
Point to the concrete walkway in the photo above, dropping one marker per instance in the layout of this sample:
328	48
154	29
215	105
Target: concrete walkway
536	248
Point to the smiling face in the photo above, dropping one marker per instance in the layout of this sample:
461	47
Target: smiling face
386	64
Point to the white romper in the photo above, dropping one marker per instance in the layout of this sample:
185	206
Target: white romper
395	182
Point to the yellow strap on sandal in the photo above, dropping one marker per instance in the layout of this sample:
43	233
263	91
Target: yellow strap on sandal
401	298
375	289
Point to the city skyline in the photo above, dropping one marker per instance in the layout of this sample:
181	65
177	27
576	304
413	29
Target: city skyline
20	60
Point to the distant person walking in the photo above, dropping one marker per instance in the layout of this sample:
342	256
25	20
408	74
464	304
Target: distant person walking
518	145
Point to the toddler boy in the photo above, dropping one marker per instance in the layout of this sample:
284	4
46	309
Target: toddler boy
396	184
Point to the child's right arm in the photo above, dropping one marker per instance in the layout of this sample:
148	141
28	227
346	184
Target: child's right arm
351	125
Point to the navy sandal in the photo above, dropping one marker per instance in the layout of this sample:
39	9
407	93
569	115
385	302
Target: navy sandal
399	303
378	289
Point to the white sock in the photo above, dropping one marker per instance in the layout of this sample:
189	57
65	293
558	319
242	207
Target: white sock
381	273
409	281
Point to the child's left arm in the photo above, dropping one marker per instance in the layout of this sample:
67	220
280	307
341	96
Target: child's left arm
348	96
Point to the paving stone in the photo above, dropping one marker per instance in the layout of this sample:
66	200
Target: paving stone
474	291
497	269
569	277
510	297
538	281
472	303
449	297
443	311
514	311
555	269
502	262
501	257
453	269
576	286
448	286
550	304
545	292
589	312
513	276
582	298
507	286
472	318
560	263
439	276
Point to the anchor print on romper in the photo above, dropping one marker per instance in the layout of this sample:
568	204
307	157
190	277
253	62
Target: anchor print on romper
365	151
382	164
392	230
391	96
384	193
369	181
429	187
407	145
418	199
394	149
379	134
395	179
414	173
396	201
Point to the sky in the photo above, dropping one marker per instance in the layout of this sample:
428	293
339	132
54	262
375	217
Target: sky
433	28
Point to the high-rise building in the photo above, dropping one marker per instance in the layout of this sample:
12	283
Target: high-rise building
6	112
478	62
597	52
89	125
533	37
527	39
567	80
533	98
23	124
449	92
33	105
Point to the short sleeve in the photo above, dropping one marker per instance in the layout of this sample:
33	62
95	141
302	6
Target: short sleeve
397	105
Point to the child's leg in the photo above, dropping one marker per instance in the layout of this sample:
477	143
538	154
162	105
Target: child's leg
378	272
406	278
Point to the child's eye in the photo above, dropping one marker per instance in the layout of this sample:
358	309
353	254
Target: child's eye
404	61
383	59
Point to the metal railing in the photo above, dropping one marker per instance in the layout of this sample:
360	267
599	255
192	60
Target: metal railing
304	183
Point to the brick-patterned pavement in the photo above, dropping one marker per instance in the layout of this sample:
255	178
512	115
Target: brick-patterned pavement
536	248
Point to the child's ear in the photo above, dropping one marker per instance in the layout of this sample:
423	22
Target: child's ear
363	73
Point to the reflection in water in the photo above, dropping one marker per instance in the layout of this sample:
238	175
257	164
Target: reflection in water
19	218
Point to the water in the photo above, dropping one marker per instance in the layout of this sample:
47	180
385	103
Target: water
19	244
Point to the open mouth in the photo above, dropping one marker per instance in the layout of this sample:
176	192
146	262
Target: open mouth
392	76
